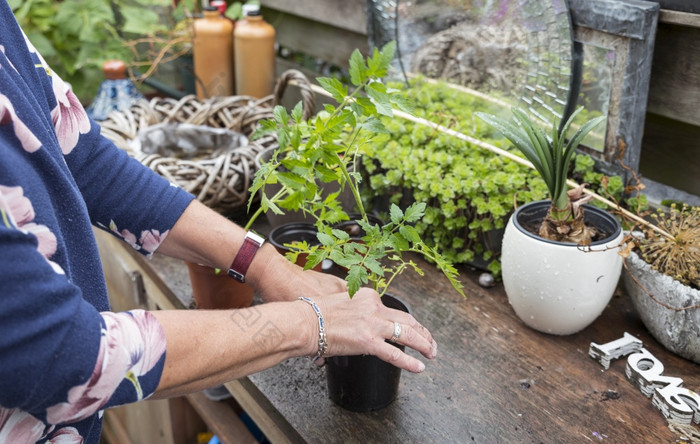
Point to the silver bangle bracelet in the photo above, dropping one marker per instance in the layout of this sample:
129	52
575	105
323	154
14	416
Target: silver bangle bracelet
322	343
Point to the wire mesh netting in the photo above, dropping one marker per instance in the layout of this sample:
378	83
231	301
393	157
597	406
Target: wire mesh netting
517	50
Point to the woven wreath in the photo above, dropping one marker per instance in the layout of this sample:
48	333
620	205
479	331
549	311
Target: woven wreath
221	182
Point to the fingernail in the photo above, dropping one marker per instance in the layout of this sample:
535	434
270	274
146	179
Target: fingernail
421	367
433	351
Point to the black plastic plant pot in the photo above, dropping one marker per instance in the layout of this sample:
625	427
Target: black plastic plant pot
294	232
364	383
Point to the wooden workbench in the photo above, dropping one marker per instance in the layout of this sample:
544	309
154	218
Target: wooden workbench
494	380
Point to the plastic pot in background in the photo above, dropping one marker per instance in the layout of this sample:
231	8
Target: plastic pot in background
294	232
365	383
212	290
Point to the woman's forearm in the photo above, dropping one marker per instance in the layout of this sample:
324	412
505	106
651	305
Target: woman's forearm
203	236
209	347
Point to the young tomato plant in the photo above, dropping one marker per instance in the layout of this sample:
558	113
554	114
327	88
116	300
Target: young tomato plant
325	150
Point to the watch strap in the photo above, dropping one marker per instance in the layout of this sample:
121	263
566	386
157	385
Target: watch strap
239	267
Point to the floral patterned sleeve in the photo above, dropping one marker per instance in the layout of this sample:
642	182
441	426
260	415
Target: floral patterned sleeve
64	357
122	196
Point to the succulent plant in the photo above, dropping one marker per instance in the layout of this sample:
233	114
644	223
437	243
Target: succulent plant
551	155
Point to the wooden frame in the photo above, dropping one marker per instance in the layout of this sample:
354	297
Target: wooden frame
628	27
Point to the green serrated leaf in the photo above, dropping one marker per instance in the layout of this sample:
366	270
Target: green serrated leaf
281	116
395	214
415	212
357	276
358	69
315	257
298	112
334	87
326	239
399	242
374	266
377	91
374	125
410	233
341	234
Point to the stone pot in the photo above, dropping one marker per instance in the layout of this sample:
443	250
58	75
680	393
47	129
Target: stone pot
556	287
677	330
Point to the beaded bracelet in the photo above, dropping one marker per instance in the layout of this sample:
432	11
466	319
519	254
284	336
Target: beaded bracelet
322	344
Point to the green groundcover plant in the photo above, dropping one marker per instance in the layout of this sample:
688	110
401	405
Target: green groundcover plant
469	192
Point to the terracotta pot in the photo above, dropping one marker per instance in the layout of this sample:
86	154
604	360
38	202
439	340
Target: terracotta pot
212	290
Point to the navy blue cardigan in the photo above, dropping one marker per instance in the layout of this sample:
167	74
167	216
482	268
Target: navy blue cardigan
63	356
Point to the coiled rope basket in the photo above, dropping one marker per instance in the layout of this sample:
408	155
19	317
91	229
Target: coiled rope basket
220	182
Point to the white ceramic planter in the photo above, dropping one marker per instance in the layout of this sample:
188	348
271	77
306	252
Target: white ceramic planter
554	287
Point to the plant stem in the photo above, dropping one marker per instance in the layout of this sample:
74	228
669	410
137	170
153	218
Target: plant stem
354	189
397	272
259	211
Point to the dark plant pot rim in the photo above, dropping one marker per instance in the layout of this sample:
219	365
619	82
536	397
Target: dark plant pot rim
599	218
307	231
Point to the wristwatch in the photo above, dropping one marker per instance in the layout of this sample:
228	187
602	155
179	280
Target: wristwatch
240	264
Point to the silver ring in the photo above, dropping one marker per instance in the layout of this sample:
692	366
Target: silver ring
397	332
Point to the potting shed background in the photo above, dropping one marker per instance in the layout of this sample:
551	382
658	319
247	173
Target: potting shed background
501	377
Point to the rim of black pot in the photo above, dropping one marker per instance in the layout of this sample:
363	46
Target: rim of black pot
395	302
538	209
306	231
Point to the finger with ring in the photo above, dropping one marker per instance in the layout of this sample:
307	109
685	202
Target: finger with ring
397	332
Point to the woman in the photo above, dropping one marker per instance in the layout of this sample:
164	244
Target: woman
64	357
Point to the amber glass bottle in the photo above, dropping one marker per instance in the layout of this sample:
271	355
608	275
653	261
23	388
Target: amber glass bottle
254	54
212	49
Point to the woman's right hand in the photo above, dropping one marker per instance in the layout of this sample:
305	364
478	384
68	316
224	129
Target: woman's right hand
361	325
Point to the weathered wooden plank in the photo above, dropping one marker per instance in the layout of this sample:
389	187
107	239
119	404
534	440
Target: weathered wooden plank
674	89
680	5
343	14
494	380
671	155
679	18
265	415
314	38
221	419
